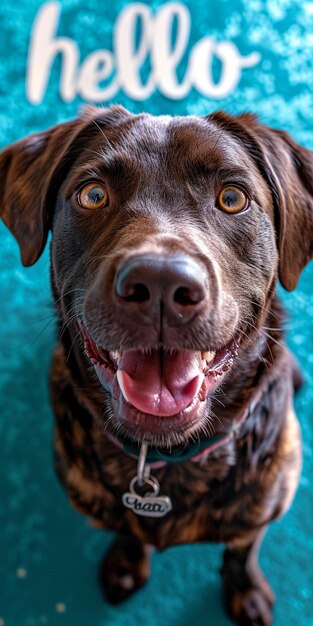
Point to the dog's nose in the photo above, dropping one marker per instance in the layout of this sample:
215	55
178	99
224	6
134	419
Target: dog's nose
146	284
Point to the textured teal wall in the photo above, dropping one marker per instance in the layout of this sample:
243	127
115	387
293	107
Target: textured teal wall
48	552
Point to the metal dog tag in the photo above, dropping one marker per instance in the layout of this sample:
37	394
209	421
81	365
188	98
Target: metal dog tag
150	504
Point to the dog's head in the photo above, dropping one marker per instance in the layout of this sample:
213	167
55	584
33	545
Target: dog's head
168	235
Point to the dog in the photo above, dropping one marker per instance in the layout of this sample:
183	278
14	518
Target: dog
171	384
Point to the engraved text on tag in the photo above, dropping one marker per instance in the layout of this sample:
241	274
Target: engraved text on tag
148	506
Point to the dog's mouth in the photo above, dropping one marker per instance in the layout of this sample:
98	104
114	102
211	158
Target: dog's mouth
159	394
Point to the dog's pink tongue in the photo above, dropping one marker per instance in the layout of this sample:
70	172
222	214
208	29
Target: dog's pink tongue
160	383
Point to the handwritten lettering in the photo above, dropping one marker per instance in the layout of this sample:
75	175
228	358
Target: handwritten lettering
138	504
103	73
149	506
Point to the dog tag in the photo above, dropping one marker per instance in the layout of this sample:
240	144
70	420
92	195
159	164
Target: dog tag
150	504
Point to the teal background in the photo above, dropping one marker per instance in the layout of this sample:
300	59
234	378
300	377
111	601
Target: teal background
48	552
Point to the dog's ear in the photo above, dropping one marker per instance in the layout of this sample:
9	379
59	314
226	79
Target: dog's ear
288	170
32	169
27	168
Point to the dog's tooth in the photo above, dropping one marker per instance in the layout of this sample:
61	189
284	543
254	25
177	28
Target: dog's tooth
116	355
208	356
119	376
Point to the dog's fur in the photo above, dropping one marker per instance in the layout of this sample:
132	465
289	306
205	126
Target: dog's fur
163	176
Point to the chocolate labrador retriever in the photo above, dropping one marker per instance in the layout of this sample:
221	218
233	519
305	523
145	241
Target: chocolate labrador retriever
171	383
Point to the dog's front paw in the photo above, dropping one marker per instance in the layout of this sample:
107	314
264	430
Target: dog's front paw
252	607
124	569
247	595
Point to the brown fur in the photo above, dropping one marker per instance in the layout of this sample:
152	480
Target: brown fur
163	178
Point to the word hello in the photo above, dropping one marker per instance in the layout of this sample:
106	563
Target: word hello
139	36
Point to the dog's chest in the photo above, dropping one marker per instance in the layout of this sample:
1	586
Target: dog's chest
208	502
215	500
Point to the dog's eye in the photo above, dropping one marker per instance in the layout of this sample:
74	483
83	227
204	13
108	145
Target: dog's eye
93	196
232	199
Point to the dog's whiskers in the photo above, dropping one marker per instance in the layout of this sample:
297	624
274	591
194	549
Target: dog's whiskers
67	293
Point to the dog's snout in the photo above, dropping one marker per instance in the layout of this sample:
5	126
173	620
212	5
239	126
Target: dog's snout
179	284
